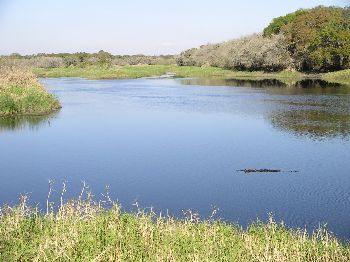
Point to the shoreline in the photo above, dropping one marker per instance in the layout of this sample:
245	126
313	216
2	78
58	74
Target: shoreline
38	114
83	229
157	71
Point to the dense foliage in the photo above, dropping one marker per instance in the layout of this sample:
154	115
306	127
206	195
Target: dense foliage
276	24
318	39
315	39
248	53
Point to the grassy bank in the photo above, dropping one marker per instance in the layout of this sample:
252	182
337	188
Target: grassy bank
131	72
342	77
22	94
82	230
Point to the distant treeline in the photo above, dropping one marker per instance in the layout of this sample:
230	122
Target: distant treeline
83	59
316	39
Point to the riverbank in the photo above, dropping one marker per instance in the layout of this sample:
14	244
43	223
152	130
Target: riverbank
341	77
22	94
139	71
82	230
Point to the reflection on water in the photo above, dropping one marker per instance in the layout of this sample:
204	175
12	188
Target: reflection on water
315	83
312	123
233	82
311	83
24	122
309	107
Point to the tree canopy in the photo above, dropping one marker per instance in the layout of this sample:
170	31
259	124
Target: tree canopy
318	39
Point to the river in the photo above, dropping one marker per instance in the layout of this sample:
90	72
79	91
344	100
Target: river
176	144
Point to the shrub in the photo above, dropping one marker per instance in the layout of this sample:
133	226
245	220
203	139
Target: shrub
142	60
248	53
186	58
46	62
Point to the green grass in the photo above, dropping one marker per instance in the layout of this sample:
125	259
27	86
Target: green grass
342	77
32	100
82	230
95	72
132	72
22	94
129	72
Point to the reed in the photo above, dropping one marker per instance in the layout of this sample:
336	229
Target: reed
82	229
22	94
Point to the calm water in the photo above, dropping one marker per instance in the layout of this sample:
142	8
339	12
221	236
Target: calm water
176	145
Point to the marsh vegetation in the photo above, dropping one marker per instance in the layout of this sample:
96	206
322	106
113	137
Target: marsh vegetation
22	94
84	230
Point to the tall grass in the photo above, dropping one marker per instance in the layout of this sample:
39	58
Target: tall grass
22	94
84	230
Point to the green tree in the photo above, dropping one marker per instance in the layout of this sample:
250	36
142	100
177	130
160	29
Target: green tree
318	39
104	58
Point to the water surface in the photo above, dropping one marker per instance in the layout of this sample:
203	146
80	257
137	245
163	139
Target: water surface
176	145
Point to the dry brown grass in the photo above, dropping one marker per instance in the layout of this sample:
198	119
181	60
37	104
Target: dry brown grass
14	76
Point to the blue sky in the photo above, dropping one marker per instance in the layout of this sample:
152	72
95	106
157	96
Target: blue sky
134	26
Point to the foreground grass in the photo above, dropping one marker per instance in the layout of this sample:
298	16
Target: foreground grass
82	230
22	94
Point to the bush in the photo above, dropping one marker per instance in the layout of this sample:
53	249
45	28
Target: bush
104	58
248	53
142	60
47	62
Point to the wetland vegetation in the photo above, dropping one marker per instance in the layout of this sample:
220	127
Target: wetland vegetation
22	94
83	230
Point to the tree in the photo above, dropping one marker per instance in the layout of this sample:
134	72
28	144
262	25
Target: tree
318	39
104	58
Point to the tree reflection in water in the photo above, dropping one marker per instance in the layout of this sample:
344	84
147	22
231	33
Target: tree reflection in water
22	122
315	124
310	107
